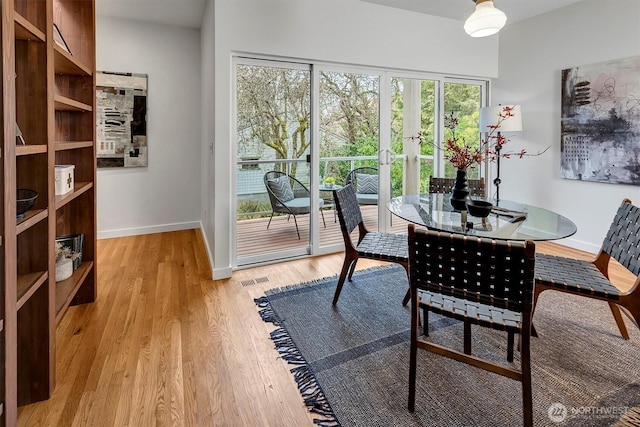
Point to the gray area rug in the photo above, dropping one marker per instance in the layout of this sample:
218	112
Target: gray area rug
352	361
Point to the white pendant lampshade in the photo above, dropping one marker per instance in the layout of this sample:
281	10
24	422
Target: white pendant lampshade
490	116
486	20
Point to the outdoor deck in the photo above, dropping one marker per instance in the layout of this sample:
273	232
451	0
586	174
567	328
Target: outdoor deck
254	238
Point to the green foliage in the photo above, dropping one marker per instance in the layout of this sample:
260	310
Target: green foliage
273	110
249	209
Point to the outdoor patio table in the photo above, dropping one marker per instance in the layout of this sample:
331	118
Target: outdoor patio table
508	220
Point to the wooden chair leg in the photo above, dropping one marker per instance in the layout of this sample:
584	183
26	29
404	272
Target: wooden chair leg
536	293
510	346
413	352
467	338
406	298
615	310
353	268
343	275
527	395
425	319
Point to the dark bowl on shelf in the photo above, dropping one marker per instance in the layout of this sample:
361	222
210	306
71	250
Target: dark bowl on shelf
479	208
25	200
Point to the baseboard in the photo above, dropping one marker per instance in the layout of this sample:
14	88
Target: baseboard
578	244
222	273
124	232
215	273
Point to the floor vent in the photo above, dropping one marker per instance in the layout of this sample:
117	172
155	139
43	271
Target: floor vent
254	281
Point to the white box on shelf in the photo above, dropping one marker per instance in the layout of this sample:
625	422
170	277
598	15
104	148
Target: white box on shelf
64	179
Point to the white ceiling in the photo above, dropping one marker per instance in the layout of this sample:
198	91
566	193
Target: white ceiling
184	13
188	13
516	10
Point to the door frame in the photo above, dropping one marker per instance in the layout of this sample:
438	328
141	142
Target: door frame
287	254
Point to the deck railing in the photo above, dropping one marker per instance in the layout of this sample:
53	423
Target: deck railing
252	196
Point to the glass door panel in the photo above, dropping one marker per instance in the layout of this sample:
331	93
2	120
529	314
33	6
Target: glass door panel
463	102
273	122
413	120
349	118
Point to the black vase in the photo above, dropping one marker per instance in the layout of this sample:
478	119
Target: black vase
460	191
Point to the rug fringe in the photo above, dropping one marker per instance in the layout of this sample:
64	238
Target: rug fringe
314	398
267	314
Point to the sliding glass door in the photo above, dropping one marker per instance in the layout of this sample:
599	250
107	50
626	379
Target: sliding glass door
349	118
274	202
303	130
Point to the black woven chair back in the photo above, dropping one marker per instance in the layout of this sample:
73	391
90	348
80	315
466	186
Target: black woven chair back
348	209
622	241
492	272
443	185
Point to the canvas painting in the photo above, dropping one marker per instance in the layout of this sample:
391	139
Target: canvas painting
121	120
600	122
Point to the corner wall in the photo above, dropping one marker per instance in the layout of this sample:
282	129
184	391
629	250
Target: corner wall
164	196
532	55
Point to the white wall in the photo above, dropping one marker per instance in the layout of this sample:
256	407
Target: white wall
340	31
207	126
165	195
532	55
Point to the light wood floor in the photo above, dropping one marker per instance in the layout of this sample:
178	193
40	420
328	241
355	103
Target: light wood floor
165	345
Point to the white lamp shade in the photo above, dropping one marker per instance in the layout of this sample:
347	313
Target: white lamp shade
485	20
490	116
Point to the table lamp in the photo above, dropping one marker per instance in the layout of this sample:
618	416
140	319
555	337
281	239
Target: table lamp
490	121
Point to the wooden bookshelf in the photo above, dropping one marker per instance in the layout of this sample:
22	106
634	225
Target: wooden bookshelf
50	94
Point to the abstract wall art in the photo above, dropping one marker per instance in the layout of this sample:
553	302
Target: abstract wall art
600	123
121	120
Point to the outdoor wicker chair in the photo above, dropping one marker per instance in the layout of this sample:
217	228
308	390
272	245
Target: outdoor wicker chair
443	185
288	196
365	184
479	281
591	278
371	245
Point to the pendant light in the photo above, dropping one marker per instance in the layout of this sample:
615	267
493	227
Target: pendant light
485	20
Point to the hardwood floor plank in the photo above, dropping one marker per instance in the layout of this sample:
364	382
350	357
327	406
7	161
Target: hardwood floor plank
165	345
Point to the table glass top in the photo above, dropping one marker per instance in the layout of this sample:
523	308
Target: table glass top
509	220
329	187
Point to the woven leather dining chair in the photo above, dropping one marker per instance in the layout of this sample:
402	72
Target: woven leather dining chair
478	281
591	278
371	245
443	185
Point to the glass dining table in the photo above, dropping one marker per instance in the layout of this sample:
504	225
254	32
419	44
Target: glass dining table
508	220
